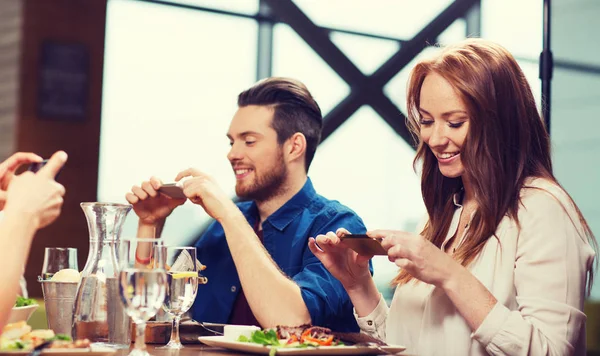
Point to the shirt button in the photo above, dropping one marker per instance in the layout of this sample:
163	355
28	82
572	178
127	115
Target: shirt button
370	322
233	288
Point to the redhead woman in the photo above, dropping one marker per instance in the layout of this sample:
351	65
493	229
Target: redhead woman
504	260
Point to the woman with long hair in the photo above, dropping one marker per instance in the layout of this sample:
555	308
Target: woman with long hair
505	258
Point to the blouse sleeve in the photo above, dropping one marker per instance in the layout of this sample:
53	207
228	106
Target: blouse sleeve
550	275
374	323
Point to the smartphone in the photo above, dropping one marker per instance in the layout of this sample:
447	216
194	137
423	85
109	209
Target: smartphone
172	190
36	166
364	245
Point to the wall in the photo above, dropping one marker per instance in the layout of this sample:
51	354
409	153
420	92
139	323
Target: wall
10	44
78	23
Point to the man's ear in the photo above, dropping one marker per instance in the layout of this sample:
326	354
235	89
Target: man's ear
295	147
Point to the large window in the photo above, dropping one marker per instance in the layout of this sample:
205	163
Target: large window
170	87
172	76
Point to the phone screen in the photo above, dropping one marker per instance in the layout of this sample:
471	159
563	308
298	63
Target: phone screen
172	190
36	166
364	245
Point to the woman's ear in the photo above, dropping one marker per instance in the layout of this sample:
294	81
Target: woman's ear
296	147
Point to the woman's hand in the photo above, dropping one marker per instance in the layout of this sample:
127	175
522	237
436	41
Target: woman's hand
8	168
37	195
417	256
350	268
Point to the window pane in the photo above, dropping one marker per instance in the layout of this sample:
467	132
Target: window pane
168	99
246	6
292	57
575	129
396	88
398	19
454	33
355	47
515	24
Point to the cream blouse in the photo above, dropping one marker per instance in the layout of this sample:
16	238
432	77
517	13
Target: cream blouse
538	275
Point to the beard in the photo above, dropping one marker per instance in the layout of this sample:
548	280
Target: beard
264	187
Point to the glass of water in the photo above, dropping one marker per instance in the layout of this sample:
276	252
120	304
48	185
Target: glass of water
142	284
182	285
58	258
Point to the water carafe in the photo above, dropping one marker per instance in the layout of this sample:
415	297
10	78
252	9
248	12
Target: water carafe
98	313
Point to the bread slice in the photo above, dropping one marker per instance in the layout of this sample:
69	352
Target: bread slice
15	330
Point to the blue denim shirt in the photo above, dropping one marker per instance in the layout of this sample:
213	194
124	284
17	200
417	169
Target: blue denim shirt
285	235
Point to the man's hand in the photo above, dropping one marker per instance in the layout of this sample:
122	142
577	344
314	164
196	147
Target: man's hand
202	189
8	168
150	206
37	195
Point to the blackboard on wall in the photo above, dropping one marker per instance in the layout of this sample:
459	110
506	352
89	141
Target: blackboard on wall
63	83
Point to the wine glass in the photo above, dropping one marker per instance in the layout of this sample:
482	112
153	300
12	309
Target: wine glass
142	284
58	258
182	286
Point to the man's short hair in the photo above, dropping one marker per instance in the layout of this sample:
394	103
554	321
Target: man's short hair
295	110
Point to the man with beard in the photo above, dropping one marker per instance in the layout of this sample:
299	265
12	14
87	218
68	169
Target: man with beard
260	269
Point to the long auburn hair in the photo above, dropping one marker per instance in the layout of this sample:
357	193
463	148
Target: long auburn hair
506	144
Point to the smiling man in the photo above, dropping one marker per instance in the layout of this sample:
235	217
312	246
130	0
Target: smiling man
260	269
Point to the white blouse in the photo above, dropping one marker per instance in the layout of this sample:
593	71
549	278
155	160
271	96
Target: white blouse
538	275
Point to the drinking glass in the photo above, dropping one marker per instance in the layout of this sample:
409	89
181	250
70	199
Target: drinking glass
182	286
142	284
58	258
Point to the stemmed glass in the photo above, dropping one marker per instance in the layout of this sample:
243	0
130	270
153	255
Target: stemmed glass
142	284
182	285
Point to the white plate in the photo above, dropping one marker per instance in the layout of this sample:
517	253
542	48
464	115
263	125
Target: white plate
219	341
95	351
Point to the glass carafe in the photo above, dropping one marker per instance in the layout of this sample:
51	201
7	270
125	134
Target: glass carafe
98	313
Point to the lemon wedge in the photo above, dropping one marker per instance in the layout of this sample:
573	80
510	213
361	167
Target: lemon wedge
179	275
66	275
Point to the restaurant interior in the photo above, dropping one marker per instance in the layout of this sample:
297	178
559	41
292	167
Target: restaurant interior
134	88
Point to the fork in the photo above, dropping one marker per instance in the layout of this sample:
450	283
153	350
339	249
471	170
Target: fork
207	328
375	346
38	349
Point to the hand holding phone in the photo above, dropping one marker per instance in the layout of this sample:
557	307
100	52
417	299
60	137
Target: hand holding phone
172	190
364	245
36	166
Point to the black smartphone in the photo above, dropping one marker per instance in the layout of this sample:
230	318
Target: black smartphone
36	166
364	245
172	190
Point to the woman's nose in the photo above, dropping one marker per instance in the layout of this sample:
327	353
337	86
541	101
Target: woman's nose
438	136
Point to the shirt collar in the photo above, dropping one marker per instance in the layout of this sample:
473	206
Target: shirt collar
281	218
457	199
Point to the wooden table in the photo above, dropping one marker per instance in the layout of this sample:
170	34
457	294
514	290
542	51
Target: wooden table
188	350
191	350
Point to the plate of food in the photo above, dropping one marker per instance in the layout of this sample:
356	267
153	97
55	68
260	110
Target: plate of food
302	340
18	339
